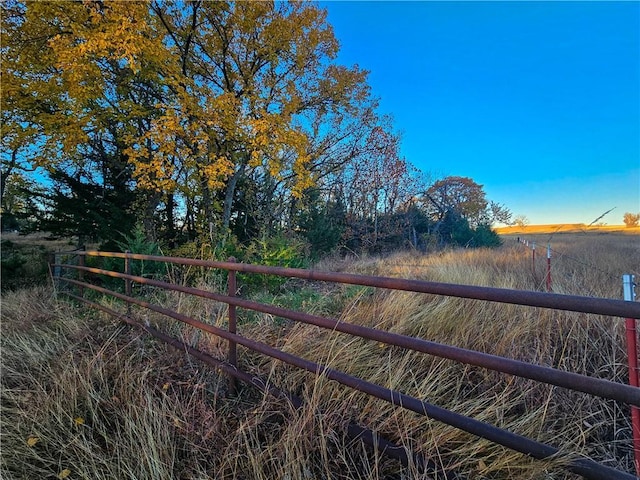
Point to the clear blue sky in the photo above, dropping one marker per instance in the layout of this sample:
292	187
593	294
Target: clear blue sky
537	101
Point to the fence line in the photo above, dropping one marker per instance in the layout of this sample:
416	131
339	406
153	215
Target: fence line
354	431
603	388
561	255
594	386
574	303
631	336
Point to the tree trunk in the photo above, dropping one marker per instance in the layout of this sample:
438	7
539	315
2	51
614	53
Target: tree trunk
152	201
5	174
229	194
190	220
206	203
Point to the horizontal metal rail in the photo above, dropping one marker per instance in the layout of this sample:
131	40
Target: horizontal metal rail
583	466
574	303
595	386
354	431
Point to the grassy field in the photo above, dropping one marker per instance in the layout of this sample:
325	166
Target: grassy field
86	397
23	258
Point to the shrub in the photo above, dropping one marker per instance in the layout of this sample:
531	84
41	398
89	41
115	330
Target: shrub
136	242
484	236
22	265
218	248
276	251
631	219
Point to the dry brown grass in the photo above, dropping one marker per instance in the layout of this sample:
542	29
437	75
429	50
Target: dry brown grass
86	397
41	238
586	344
61	363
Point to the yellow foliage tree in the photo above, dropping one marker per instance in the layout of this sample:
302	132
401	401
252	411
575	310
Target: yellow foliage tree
254	78
187	99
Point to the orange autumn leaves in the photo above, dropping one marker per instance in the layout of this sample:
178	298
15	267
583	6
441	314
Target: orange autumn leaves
33	440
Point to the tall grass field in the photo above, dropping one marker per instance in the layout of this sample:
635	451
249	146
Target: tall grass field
84	396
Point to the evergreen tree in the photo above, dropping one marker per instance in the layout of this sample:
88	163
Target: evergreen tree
321	222
88	211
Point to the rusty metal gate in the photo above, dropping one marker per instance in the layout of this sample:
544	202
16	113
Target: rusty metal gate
602	388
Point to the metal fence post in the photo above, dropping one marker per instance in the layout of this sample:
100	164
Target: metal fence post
81	263
127	282
628	287
52	261
548	267
533	258
128	290
233	354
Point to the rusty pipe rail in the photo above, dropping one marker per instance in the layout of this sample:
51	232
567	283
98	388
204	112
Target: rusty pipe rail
582	383
354	431
574	303
583	466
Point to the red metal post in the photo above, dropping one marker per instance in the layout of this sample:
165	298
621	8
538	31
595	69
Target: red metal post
628	286
233	354
533	258
127	283
548	267
633	380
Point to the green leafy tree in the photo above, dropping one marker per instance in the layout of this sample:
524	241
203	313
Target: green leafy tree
21	207
485	236
454	229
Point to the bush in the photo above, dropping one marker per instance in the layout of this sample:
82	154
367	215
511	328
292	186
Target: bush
485	237
276	251
136	242
22	265
455	230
